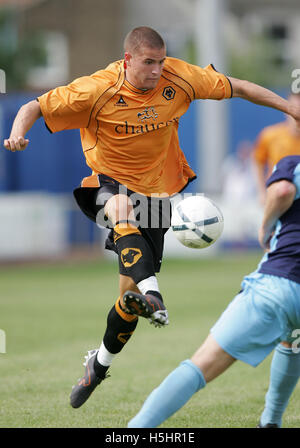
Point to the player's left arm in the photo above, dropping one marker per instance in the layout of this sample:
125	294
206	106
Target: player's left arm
280	196
264	97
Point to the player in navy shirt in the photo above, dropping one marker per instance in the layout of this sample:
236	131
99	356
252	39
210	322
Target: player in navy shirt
264	316
284	256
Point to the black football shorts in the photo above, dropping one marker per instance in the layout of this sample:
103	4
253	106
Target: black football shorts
152	214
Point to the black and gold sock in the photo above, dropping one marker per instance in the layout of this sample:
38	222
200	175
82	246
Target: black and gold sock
120	327
134	252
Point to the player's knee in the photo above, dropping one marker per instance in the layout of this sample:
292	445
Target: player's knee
286	344
211	359
119	208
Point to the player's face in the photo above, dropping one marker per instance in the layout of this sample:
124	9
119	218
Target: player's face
144	67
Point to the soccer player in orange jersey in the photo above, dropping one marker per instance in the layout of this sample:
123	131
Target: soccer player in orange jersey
128	117
273	143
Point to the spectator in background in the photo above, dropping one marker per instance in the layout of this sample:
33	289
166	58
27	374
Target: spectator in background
273	143
238	189
238	174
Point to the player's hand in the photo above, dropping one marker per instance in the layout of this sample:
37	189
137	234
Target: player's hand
264	238
295	113
15	143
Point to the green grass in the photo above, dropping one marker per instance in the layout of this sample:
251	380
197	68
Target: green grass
52	314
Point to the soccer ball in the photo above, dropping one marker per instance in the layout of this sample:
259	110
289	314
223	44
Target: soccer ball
197	222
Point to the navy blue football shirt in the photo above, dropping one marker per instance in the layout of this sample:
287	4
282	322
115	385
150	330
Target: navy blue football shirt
283	259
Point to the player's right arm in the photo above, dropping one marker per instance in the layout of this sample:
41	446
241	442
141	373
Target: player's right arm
25	118
280	196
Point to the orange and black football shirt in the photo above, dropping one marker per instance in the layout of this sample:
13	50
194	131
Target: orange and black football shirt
274	143
129	134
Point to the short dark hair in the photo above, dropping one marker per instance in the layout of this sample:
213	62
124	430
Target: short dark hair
143	36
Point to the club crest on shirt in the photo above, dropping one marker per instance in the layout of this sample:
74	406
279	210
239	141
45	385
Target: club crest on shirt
147	114
168	93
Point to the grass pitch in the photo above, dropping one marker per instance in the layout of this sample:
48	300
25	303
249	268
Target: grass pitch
52	314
